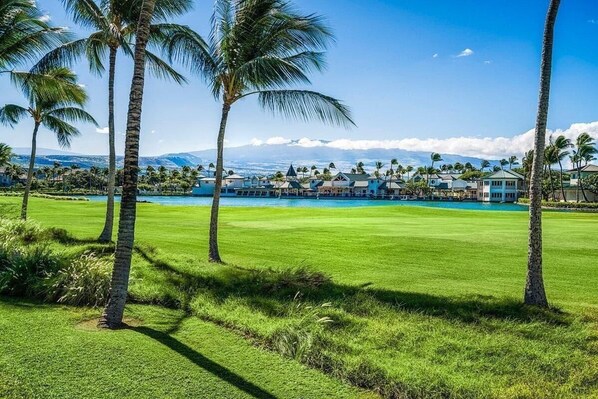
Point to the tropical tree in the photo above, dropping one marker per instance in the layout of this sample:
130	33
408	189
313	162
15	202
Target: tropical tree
258	48
503	163
535	294
513	160
54	102
434	157
113	25
484	164
560	152
112	315
5	155
24	34
585	148
409	169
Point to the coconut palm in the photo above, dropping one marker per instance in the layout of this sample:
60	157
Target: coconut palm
585	148
112	315
259	48
24	34
560	146
535	294
513	160
550	158
5	155
113	25
484	164
503	163
54	102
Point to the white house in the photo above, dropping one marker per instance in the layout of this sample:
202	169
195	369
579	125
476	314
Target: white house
586	172
502	186
205	186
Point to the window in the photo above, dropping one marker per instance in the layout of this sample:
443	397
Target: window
486	183
496	183
486	195
510	184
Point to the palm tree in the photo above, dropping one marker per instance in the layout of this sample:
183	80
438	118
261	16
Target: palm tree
113	312
379	165
258	48
513	160
53	102
484	164
535	294
331	166
5	155
24	35
409	169
560	145
312	169
112	25
435	157
585	150
550	158
503	163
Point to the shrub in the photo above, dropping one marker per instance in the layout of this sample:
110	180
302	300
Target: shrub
24	231
24	269
564	205
84	281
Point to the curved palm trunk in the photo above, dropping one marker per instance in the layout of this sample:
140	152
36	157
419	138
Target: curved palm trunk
30	173
214	253
535	293
551	181
113	313
561	180
106	235
580	183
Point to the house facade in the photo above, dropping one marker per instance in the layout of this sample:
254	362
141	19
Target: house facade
584	172
502	186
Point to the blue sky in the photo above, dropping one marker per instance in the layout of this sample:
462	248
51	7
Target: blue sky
395	64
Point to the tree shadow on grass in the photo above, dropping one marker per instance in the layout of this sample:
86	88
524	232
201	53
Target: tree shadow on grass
202	361
260	286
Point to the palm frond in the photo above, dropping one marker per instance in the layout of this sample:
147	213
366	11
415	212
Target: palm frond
64	131
66	54
86	13
306	106
161	69
72	115
11	114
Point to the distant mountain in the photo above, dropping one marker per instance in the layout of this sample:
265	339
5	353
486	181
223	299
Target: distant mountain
260	159
41	151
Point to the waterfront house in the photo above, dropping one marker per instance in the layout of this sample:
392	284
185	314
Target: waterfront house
502	186
586	172
5	179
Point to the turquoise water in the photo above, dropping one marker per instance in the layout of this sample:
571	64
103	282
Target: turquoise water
321	203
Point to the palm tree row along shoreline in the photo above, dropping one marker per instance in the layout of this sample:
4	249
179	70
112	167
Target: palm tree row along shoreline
257	48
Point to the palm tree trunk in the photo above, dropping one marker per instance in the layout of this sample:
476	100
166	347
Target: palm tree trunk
113	313
214	253
580	182
106	235
30	173
535	293
551	181
561	181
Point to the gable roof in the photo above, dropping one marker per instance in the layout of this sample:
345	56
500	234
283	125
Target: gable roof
588	168
504	174
291	172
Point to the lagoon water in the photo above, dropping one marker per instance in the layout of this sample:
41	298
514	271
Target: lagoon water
319	203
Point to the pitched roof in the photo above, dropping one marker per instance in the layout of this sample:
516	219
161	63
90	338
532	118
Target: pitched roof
357	176
291	172
504	174
588	168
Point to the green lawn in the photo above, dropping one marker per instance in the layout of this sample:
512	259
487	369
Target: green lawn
423	302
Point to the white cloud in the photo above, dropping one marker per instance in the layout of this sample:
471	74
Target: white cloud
277	140
256	142
480	147
488	62
435	55
45	18
81	85
465	53
103	130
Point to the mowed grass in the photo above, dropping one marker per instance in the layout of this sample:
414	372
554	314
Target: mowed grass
422	302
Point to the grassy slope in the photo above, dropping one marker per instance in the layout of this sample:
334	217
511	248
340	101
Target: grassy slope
50	354
439	316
